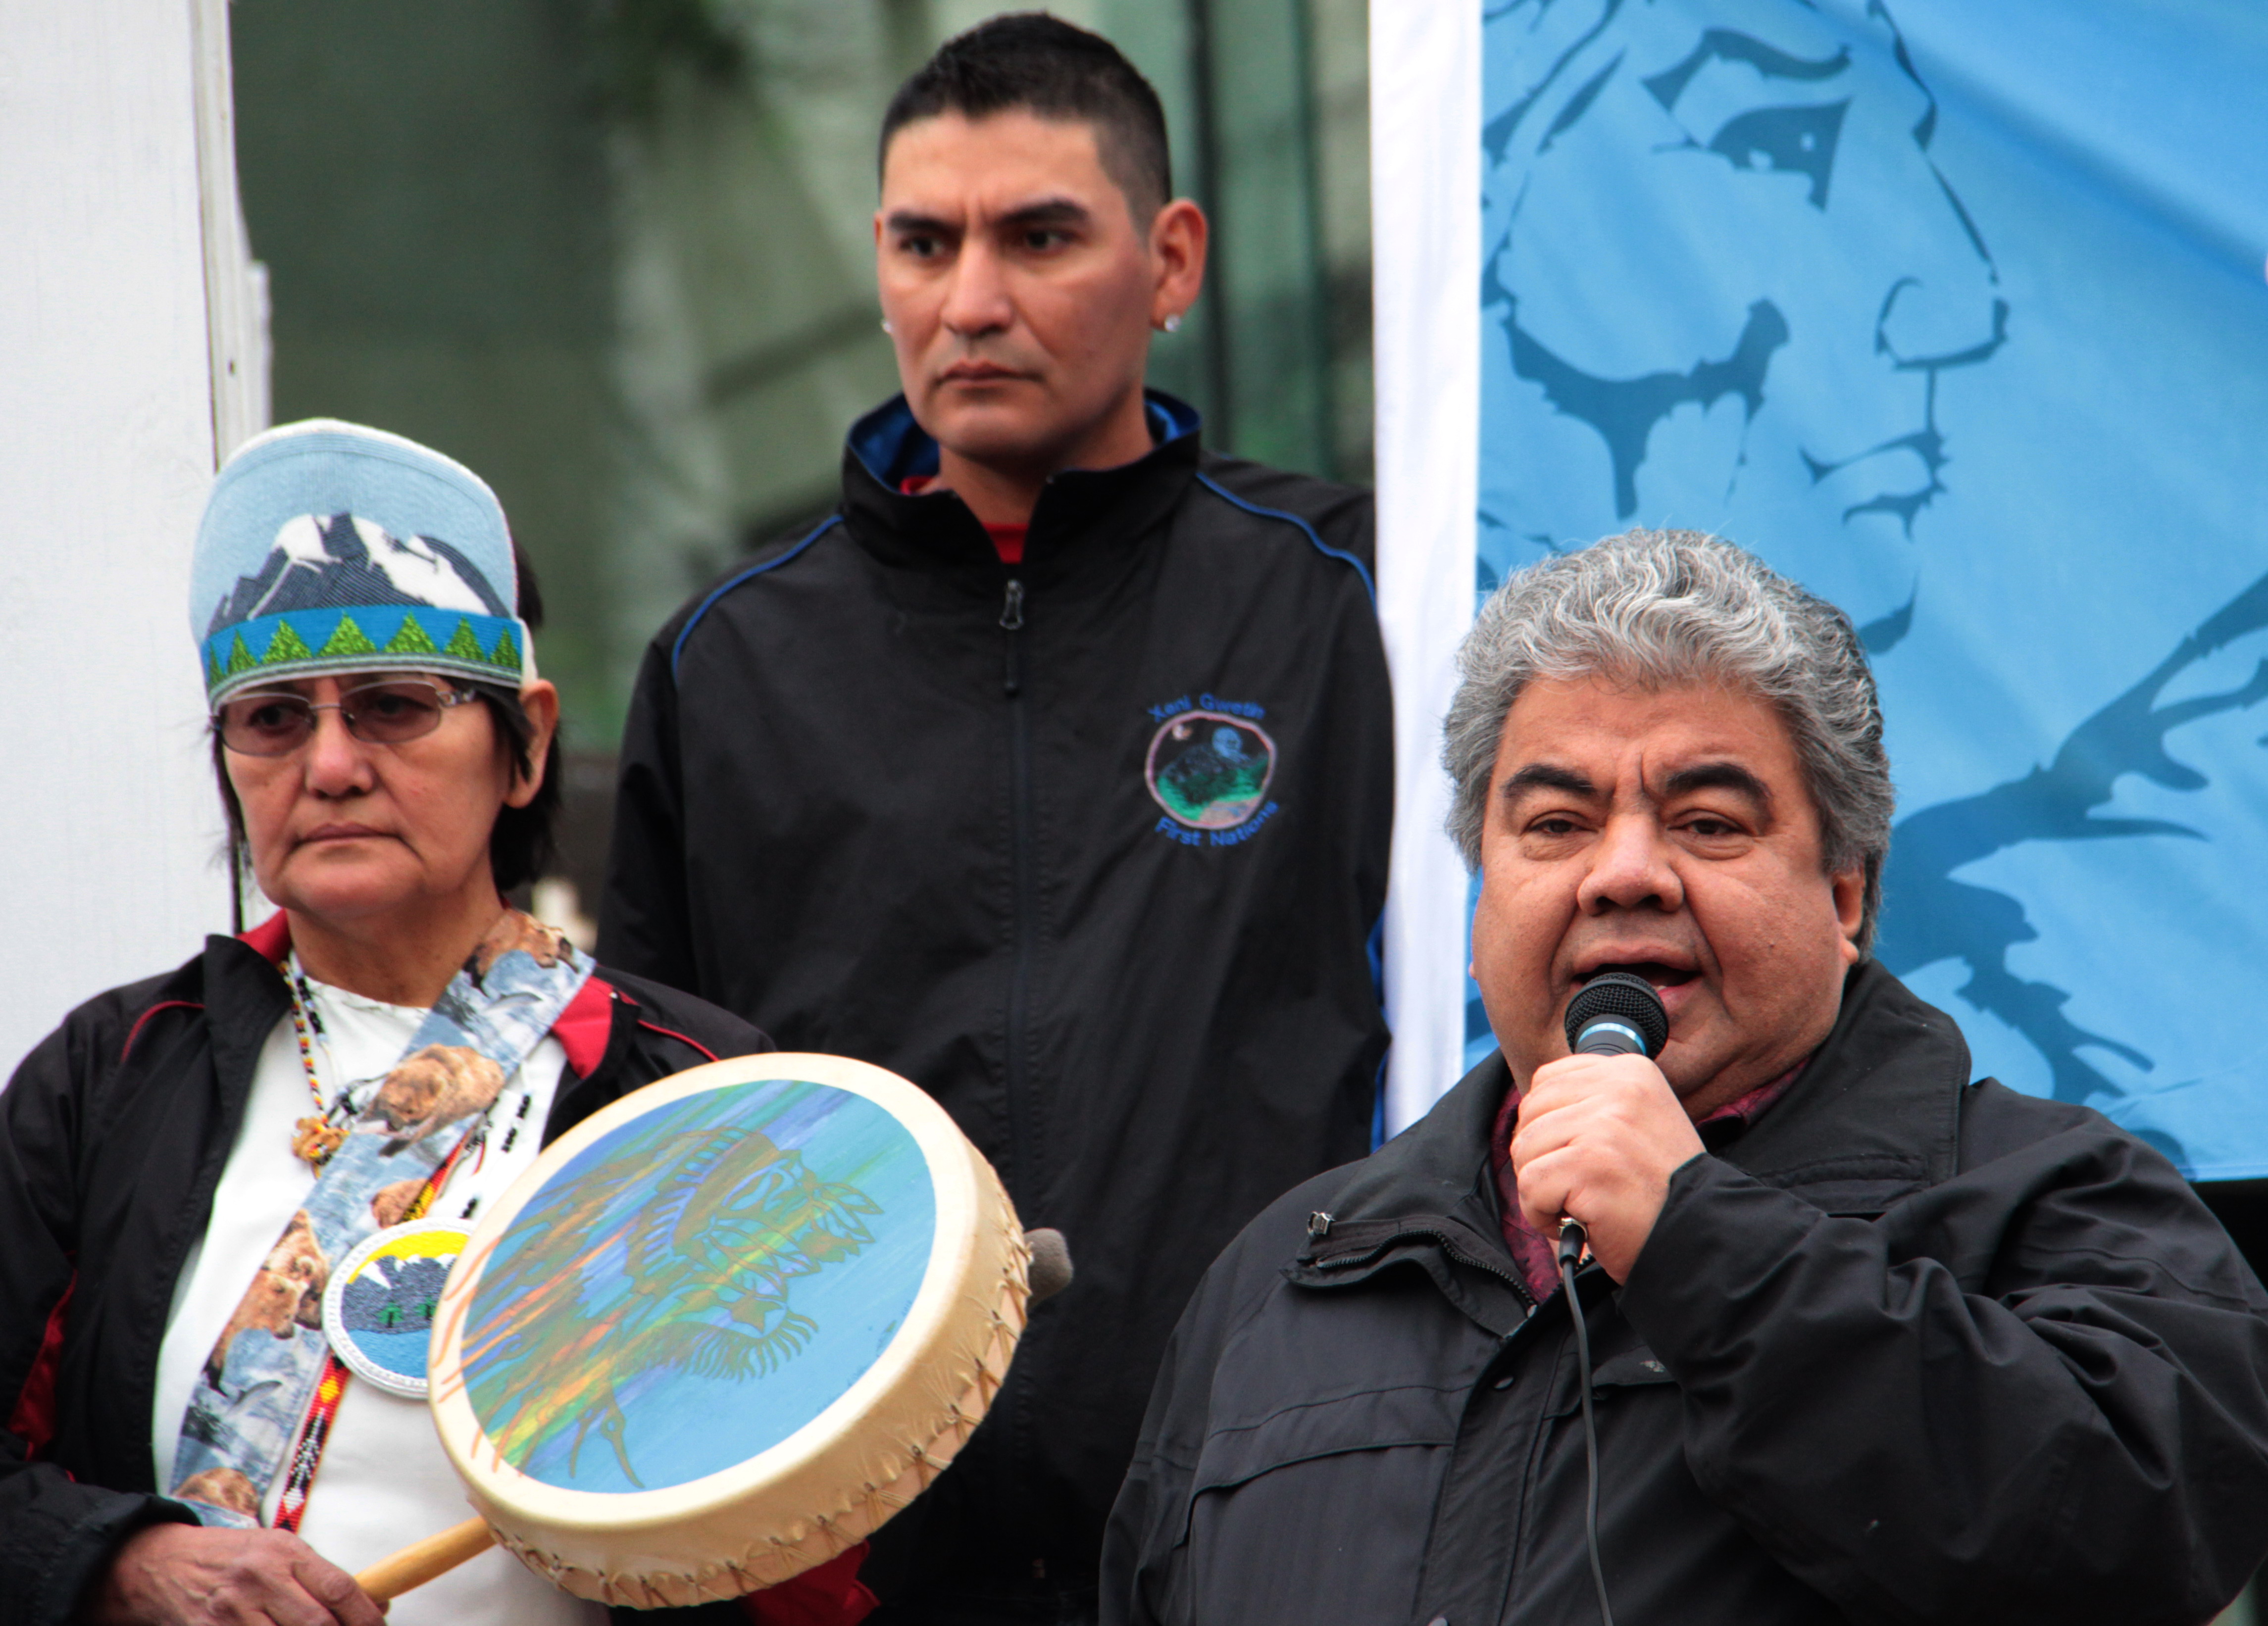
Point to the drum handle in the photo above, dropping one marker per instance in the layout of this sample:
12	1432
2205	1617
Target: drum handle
420	1561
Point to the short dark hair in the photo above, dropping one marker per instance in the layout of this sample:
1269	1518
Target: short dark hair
1029	60
523	841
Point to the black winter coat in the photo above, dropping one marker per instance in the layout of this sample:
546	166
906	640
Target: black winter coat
1092	848
1908	1350
113	1135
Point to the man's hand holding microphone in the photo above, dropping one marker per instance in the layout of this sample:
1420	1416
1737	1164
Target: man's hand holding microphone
1601	1130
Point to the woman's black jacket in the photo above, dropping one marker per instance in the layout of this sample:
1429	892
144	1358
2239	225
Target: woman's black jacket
1907	1349
113	1135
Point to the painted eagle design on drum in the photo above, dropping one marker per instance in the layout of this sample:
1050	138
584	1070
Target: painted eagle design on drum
674	1253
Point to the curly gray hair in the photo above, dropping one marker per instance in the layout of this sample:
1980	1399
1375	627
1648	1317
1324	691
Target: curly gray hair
1663	607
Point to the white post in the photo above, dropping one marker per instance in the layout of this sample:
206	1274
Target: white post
236	284
1425	189
123	276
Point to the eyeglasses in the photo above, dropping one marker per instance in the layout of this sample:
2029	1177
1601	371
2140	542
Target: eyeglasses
380	714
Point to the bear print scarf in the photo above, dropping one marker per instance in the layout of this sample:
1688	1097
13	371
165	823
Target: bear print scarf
272	1359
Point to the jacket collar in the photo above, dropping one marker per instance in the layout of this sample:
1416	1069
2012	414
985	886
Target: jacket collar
1873	1118
1083	514
1876	1115
245	997
271	938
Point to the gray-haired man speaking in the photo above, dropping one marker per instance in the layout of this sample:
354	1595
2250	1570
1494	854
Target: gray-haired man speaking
1869	1340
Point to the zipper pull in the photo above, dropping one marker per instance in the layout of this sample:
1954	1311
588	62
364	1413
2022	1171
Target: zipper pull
1011	657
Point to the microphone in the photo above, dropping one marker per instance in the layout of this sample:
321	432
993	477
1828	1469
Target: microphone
1615	1013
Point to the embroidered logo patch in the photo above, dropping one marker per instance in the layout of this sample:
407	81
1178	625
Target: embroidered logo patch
377	1310
1209	769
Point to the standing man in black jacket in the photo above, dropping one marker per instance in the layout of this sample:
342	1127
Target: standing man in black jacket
1052	771
1868	1342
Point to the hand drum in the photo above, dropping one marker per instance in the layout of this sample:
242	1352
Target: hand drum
726	1327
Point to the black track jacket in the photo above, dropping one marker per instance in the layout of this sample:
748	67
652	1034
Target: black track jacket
1907	1349
113	1135
1092	847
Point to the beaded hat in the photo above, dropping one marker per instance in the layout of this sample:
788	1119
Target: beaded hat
327	547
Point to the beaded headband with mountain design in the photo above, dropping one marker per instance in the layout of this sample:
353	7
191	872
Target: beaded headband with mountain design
327	547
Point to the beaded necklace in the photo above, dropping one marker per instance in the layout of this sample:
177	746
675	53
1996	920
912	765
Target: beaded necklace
316	1136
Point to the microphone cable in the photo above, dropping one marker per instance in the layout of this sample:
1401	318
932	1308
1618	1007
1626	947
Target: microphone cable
1615	1013
1571	1242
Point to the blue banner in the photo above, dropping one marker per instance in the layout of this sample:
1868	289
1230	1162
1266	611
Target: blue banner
1956	312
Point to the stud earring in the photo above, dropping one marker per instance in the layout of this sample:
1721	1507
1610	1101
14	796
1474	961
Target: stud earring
1172	323
885	326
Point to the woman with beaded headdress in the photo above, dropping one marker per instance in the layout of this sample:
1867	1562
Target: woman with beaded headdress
193	1166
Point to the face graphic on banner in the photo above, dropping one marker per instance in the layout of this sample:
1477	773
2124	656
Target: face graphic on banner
1725	285
1788	379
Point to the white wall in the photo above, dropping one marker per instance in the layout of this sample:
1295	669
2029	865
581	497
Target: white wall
108	829
1425	220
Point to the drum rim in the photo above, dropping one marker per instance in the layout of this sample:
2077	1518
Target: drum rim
514	1498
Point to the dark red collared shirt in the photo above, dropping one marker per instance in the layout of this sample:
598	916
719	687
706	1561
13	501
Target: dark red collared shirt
1007	539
